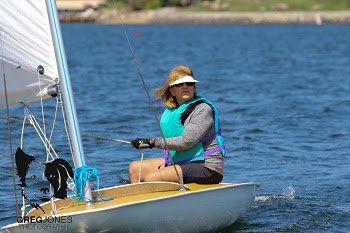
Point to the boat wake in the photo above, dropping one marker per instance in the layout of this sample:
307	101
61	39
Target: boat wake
288	193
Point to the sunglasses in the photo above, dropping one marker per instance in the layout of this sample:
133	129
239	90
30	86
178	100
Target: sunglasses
189	84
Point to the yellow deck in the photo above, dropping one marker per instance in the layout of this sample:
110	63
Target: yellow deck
121	195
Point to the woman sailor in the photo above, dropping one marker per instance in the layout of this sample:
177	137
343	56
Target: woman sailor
192	135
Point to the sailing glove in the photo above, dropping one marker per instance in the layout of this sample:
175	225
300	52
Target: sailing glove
140	143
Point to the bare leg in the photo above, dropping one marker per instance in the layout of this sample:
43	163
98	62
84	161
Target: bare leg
148	166
165	174
151	171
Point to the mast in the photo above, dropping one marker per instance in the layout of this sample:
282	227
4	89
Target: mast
67	93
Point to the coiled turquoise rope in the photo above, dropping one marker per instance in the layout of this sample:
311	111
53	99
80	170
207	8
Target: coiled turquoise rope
81	176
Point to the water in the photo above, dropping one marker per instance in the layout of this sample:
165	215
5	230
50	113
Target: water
283	97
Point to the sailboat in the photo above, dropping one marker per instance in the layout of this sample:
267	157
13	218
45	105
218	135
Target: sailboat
33	67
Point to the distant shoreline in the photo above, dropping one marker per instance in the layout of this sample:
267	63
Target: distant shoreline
174	16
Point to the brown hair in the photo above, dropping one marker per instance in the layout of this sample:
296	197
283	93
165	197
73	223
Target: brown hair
164	92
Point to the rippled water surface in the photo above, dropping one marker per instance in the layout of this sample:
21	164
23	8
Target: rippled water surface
283	97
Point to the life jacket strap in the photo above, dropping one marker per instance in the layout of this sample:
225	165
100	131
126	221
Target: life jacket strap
167	160
211	151
211	137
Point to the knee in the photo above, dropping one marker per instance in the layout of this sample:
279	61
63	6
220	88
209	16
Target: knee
133	166
133	171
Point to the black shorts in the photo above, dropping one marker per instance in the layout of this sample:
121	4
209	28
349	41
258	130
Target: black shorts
197	173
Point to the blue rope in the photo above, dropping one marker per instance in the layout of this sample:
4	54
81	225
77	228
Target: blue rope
81	176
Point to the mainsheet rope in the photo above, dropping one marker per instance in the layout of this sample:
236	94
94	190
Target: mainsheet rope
182	187
82	133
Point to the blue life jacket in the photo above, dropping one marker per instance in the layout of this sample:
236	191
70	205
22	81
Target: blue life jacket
172	125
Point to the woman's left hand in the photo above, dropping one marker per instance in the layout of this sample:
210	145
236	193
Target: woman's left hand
140	143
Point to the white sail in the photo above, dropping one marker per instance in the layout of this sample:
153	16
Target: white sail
31	41
25	44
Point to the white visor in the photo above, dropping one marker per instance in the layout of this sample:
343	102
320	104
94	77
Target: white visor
185	79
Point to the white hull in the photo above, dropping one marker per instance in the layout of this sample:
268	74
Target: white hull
203	210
